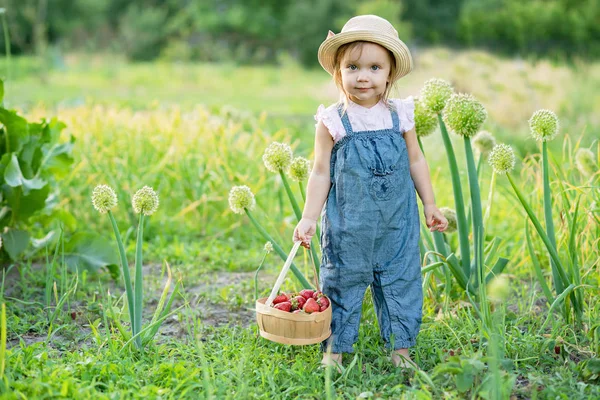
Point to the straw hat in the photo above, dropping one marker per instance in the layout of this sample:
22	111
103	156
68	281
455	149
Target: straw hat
368	28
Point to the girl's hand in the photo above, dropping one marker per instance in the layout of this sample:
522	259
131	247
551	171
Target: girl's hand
304	231
434	218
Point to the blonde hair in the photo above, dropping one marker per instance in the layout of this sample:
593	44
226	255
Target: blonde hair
337	73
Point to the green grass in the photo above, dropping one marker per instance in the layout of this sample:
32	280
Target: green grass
192	132
75	362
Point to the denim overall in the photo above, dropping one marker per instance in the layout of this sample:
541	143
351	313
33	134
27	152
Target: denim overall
370	236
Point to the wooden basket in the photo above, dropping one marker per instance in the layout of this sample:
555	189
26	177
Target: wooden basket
289	328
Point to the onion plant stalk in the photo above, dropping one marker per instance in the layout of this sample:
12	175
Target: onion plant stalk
298	214
461	218
305	284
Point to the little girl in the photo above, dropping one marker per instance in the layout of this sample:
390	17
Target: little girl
367	166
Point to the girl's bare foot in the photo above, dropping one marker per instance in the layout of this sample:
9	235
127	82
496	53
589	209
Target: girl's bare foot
332	359
401	358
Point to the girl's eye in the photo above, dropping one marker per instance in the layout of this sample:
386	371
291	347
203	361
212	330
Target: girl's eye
375	67
352	67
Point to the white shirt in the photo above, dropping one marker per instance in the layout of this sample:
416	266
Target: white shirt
367	119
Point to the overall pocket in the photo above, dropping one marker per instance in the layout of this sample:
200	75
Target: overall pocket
388	170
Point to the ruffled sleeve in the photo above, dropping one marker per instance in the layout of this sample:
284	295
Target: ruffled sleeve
406	112
331	120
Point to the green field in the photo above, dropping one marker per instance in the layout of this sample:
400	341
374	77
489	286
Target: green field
194	131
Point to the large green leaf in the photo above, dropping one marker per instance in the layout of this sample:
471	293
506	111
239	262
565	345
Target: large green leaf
1	91
16	128
52	213
57	158
52	130
464	379
3	164
91	252
31	155
24	206
13	176
15	242
45	241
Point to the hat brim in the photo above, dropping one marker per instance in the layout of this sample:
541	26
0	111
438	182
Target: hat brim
329	47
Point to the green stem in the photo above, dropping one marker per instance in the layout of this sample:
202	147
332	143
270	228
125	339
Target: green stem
313	248
421	145
315	256
461	219
484	305
573	250
6	46
496	350
476	213
440	243
302	191
139	291
458	273
291	196
490	198
558	285
443	249
544	237
432	266
2	340
279	250
298	213
256	276
536	266
125	267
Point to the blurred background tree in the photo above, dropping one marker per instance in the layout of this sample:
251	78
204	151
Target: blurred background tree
253	31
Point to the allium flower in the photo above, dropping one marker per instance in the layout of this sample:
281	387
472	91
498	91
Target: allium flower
498	289
544	125
450	215
586	162
464	114
268	247
240	198
425	120
299	169
104	198
435	93
278	156
502	158
484	142
145	201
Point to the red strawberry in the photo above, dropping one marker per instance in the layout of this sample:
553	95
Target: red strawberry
284	306
281	298
311	306
323	308
323	301
297	302
297	312
317	294
307	293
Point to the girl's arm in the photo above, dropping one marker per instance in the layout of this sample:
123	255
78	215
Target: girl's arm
419	171
318	186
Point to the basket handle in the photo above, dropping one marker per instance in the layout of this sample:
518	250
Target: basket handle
283	273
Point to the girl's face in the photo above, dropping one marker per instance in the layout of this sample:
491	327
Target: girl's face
365	73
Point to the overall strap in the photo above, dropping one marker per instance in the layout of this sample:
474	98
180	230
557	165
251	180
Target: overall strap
345	120
395	118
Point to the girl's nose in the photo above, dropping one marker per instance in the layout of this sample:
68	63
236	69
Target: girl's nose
362	77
